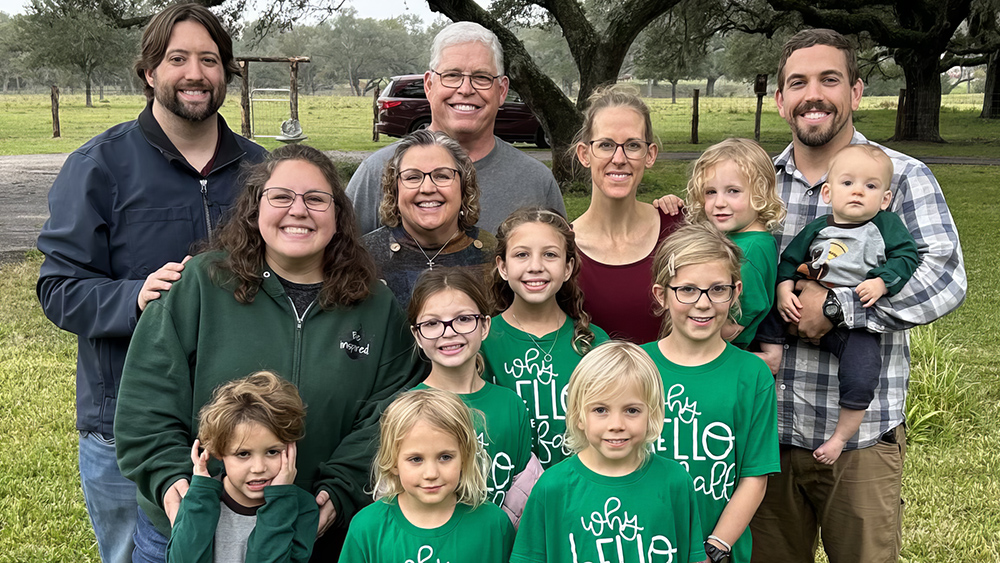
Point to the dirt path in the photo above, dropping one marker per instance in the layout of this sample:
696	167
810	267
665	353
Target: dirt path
25	181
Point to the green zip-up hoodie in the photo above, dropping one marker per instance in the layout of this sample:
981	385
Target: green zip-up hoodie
346	362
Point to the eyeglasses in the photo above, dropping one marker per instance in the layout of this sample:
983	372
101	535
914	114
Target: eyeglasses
462	324
441	177
689	295
315	200
479	80
633	148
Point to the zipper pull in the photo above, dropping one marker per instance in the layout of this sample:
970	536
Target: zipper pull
204	186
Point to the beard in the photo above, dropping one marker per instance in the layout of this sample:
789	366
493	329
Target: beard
167	97
817	136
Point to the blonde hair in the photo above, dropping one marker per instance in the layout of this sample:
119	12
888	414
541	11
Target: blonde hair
604	373
872	151
692	245
758	172
570	296
446	412
262	398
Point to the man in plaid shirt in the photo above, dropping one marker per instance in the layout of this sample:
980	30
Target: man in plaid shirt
856	502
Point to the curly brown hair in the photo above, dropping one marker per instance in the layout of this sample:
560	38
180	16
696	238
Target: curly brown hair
262	398
569	297
388	209
348	269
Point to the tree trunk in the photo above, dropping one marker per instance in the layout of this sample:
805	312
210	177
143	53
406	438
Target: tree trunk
673	91
991	96
710	86
923	97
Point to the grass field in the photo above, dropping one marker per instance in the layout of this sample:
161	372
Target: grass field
344	123
952	468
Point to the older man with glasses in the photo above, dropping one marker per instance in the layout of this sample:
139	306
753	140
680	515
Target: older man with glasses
466	86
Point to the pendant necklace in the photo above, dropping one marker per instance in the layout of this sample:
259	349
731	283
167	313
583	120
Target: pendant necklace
546	356
430	260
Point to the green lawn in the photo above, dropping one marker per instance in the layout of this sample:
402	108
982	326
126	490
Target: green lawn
344	123
953	511
952	514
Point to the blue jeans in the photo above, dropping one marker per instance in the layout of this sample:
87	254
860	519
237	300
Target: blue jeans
150	545
110	498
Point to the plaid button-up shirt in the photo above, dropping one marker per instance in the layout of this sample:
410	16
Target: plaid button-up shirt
807	383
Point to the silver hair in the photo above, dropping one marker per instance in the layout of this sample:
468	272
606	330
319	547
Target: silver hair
466	32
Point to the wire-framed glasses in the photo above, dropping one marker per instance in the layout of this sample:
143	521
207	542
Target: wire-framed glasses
462	324
633	148
479	80
441	177
689	294
315	200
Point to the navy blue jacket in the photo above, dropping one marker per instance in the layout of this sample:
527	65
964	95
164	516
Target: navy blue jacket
123	205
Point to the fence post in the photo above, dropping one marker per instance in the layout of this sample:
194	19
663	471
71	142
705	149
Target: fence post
55	111
759	88
375	93
246	130
694	117
293	92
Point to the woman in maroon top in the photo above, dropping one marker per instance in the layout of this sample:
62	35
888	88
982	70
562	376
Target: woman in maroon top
618	235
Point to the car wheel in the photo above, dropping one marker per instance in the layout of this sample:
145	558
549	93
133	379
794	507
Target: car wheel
419	124
541	139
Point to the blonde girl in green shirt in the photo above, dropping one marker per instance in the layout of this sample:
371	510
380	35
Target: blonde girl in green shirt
540	330
732	187
720	414
430	489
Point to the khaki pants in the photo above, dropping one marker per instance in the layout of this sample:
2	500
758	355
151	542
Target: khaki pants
855	504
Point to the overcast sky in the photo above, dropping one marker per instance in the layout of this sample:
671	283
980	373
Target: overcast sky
378	9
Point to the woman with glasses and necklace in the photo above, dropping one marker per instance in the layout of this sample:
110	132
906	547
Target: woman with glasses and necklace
429	209
617	235
286	287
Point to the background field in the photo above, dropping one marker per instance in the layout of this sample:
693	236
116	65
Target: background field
950	481
345	123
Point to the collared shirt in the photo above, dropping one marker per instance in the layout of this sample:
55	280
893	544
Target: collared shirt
807	382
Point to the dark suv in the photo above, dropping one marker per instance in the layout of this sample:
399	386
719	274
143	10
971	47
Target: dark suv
403	108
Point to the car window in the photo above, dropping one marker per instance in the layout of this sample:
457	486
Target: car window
413	89
387	90
513	96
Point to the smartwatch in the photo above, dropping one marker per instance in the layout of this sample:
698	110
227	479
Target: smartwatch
716	554
831	308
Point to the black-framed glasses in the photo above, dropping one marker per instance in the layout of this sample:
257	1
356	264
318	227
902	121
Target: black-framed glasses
315	200
689	294
633	148
479	80
413	178
462	324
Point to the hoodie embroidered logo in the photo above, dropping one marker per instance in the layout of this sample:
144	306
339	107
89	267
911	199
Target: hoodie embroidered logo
356	346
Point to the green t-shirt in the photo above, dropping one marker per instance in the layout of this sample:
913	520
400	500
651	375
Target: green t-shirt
515	362
721	423
759	271
505	435
576	515
380	533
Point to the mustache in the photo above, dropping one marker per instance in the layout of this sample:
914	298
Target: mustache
194	85
815	105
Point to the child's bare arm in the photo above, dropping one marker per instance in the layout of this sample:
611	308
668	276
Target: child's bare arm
771	354
871	290
736	516
788	303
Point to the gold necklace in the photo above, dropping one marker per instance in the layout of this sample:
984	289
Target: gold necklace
430	260
546	356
